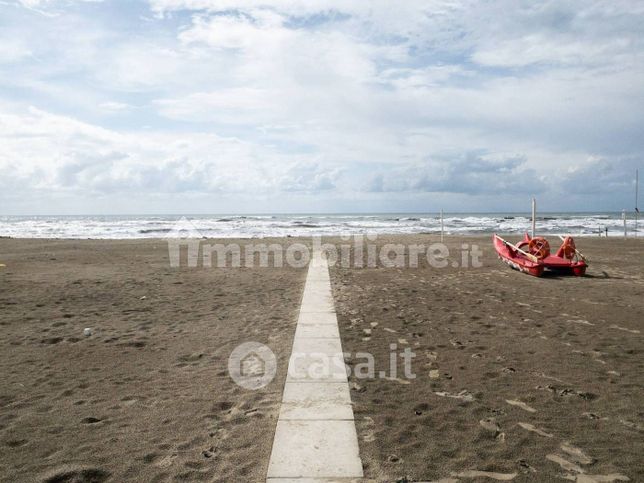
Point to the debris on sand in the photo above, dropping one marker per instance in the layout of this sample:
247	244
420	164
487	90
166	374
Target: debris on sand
601	478
565	464
520	404
397	379
485	474
463	395
577	454
534	429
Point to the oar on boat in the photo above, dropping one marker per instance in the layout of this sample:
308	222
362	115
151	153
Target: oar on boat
581	255
529	256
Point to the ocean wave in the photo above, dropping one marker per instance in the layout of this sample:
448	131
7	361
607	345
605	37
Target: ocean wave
254	226
154	230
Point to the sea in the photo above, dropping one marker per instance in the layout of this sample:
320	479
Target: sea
298	225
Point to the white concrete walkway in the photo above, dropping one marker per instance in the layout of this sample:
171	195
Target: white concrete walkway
315	439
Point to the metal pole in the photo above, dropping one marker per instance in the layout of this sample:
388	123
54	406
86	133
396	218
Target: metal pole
442	228
534	216
624	219
637	211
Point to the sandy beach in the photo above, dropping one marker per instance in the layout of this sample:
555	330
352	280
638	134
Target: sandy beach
259	241
147	397
515	375
523	378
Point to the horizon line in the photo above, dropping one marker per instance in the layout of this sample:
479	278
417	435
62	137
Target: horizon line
344	213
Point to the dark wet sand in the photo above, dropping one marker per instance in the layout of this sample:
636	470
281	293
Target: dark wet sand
147	397
567	352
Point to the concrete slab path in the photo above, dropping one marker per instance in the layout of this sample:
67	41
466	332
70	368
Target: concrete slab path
316	440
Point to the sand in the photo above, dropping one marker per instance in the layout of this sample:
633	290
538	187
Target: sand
517	378
147	396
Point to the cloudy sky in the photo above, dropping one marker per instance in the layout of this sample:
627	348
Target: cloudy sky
213	106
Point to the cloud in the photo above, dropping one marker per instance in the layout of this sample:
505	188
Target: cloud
602	177
471	173
303	98
12	50
112	106
50	152
309	177
49	8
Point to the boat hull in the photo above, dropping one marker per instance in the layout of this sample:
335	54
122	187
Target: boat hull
520	262
516	260
534	271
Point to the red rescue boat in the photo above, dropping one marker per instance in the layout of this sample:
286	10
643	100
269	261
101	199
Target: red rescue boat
532	256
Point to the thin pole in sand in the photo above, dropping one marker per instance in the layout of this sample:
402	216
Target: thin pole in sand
637	211
624	220
442	227
534	215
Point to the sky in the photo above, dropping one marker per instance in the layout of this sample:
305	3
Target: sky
291	106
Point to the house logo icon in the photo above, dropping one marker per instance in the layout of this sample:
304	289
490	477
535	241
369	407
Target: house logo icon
252	365
183	233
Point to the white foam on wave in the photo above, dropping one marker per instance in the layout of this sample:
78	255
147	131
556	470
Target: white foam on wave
253	226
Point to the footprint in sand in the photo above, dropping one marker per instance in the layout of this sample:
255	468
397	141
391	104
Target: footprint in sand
525	467
457	343
354	386
632	331
545	376
593	416
631	424
82	474
369	434
521	405
490	424
534	429
580	321
165	461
